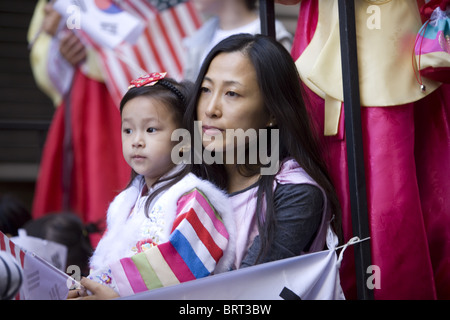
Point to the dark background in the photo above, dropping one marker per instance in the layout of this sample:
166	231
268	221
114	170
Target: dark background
25	111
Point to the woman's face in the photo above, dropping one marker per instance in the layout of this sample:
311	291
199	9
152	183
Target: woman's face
230	98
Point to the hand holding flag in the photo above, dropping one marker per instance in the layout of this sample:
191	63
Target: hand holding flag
103	21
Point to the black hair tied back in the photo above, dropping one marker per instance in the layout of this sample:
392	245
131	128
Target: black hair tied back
172	88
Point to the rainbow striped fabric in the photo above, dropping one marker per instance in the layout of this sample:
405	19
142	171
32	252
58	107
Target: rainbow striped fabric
196	244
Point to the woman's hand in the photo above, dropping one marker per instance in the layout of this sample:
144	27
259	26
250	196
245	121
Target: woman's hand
51	20
99	291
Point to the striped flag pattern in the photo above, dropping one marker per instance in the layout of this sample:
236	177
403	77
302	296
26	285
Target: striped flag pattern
196	244
9	246
158	48
11	276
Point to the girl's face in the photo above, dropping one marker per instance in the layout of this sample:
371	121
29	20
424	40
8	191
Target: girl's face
146	137
230	98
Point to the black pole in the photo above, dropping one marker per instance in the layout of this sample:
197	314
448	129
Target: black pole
68	156
267	17
355	155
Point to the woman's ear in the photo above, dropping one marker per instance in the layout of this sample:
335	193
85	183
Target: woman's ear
272	122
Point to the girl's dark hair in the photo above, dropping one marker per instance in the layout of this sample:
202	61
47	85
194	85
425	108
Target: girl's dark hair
280	87
174	95
167	90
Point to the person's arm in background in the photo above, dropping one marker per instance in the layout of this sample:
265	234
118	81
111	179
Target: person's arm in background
55	51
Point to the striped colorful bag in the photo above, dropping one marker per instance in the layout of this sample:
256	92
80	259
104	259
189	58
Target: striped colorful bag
432	46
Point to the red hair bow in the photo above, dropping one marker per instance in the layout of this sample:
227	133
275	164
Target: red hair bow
147	80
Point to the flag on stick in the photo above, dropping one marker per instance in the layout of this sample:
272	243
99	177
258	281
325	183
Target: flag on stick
155	45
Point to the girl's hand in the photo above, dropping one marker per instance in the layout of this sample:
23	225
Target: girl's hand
99	291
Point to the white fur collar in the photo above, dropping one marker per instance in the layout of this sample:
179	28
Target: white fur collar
123	232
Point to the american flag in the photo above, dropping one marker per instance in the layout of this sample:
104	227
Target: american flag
133	37
158	48
10	247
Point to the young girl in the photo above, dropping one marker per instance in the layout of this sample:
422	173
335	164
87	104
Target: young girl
167	226
250	83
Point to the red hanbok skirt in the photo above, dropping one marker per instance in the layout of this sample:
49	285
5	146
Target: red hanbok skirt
407	168
99	170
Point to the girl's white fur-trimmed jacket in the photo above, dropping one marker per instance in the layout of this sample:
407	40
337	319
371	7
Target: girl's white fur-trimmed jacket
131	231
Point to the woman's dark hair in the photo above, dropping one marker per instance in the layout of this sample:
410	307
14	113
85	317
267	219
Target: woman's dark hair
174	95
280	87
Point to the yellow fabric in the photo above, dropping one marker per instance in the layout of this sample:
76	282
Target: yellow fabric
91	66
160	266
332	115
384	55
40	52
438	59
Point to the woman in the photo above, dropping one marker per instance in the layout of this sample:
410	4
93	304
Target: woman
249	83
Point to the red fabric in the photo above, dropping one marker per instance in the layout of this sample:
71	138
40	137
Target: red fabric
99	170
306	26
437	74
407	167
